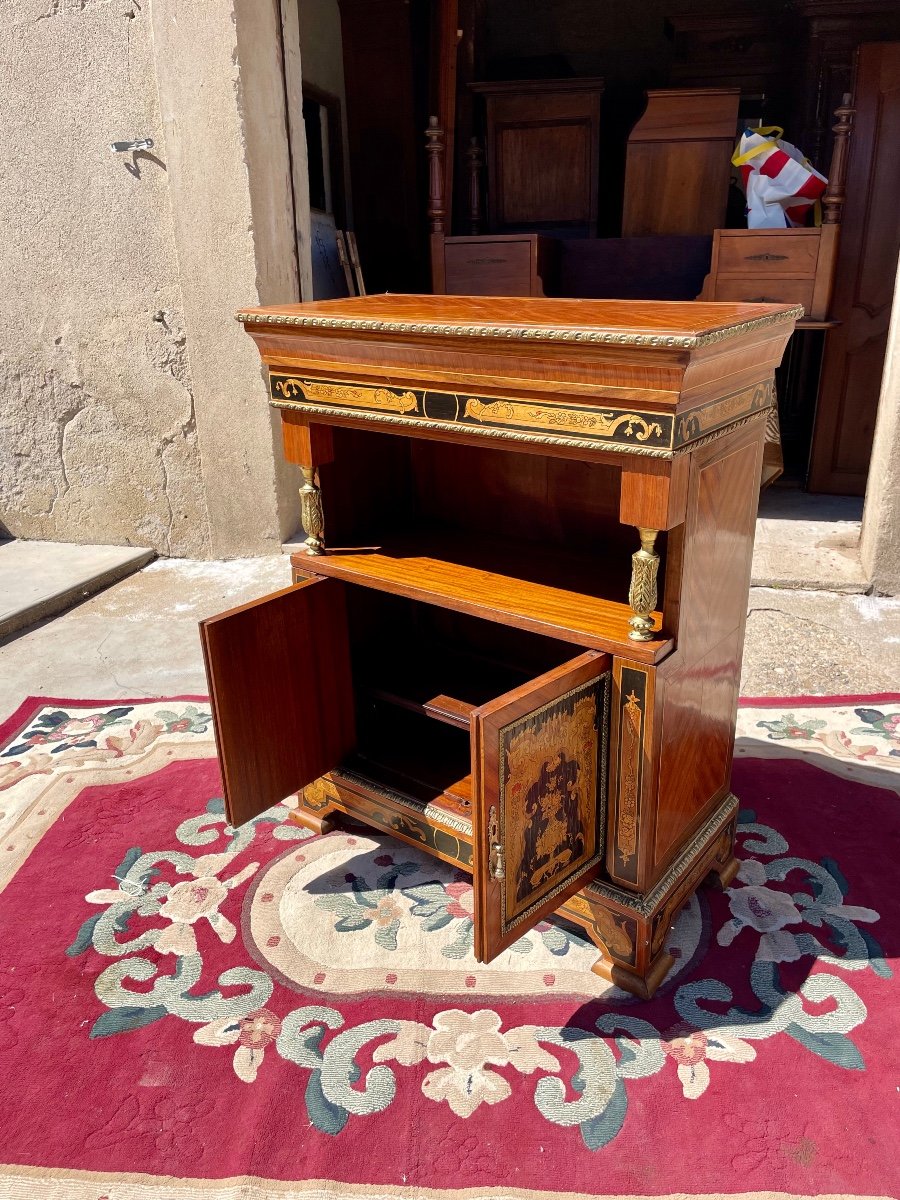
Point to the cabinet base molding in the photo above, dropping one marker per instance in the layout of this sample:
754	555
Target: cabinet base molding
628	928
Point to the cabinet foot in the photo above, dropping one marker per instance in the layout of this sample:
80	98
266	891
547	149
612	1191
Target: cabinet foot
721	875
631	945
641	985
315	809
310	821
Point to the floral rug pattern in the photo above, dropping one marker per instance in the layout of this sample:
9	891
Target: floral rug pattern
787	907
200	936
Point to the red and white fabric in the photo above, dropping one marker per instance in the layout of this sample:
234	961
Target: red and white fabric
780	184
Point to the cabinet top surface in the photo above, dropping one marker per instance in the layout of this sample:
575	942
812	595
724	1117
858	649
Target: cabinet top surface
686	324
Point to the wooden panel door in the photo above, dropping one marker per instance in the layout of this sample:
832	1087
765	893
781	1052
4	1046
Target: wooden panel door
539	764
281	692
679	161
543	153
864	284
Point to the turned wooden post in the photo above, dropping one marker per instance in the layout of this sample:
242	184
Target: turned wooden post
833	199
435	148
475	158
437	212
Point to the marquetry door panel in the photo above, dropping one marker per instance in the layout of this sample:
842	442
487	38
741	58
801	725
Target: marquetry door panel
539	798
281	693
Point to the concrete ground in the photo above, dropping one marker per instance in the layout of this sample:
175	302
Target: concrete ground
805	541
40	579
139	637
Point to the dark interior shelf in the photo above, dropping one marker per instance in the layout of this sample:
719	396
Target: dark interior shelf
413	756
439	682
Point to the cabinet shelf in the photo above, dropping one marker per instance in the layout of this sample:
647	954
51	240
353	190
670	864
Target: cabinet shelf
409	755
545	590
446	684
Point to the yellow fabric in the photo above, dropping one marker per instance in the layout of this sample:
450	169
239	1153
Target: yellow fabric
772	134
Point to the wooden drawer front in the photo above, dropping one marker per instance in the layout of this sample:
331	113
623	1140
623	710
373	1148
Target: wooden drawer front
765	290
597	425
769	254
488	269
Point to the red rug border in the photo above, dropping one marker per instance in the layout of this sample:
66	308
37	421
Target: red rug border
19	719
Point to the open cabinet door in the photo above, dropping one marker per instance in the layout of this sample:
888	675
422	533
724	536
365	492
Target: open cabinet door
281	693
539	767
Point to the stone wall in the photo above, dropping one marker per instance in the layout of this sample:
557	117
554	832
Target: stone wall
132	406
98	437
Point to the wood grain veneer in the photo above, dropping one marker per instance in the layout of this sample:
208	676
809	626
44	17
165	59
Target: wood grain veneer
457	665
427	571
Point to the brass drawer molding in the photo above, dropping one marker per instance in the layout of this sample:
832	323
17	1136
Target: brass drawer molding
530	333
720	414
344	393
603	428
544	416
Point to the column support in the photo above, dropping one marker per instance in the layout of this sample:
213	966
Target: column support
642	594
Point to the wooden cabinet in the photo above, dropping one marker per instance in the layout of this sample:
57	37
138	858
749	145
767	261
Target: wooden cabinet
515	636
543	154
775	266
866	271
522	264
679	162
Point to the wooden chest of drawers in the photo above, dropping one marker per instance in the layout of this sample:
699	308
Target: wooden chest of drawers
774	266
514	638
516	264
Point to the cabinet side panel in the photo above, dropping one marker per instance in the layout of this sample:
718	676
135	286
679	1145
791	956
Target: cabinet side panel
697	698
698	712
718	546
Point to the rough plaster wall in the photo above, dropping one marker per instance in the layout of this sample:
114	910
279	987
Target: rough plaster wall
98	441
879	546
232	204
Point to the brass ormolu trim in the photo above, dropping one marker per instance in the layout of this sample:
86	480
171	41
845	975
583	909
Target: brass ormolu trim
605	424
534	333
509	435
642	594
311	512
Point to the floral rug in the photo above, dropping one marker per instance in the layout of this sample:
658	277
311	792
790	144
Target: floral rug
189	1010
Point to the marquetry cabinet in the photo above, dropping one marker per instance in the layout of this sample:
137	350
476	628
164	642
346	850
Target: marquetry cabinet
514	636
